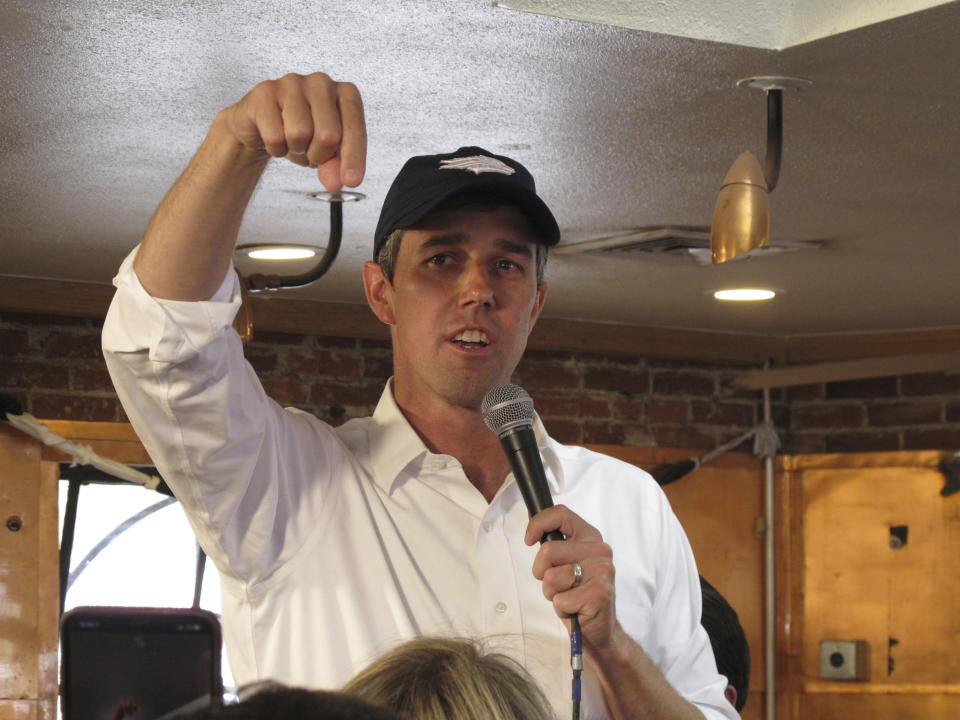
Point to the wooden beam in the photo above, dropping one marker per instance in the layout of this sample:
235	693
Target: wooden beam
802	349
54	297
847	370
652	342
276	313
273	313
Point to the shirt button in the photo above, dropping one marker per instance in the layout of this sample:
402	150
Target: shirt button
500	607
487	526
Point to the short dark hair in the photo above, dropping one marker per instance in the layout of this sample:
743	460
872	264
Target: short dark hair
278	702
727	639
387	257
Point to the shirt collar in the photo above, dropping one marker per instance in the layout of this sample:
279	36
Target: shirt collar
395	444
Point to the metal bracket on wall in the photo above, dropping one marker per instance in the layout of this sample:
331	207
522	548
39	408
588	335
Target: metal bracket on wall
951	469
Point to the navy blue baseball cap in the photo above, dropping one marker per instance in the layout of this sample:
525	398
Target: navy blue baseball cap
425	181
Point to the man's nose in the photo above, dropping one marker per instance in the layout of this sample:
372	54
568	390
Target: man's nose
476	286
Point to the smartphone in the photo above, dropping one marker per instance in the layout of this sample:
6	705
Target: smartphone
143	663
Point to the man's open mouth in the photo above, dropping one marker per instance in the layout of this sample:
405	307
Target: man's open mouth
471	339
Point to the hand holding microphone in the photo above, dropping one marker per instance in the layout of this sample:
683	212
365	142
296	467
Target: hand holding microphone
508	411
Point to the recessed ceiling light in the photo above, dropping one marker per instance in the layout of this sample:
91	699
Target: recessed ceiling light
278	252
744	294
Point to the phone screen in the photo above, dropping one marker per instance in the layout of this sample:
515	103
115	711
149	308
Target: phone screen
144	663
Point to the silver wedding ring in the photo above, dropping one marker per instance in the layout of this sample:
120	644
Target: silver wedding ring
577	574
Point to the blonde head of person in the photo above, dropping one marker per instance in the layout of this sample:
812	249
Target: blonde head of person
436	678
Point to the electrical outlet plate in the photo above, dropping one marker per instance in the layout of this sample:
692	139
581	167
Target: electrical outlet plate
843	659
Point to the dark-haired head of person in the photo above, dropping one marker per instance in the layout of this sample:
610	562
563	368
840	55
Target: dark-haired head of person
279	702
729	643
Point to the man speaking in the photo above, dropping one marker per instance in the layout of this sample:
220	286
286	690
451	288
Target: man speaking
335	544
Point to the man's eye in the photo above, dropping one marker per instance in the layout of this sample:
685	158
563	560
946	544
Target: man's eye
439	259
508	265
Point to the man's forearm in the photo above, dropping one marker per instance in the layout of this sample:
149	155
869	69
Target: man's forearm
633	685
189	243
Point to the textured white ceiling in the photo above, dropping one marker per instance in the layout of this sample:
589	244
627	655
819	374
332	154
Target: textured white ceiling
104	101
754	23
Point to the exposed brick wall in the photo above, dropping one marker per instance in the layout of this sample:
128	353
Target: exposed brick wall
910	412
54	367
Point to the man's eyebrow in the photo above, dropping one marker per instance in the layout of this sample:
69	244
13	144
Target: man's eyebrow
445	239
518	248
448	239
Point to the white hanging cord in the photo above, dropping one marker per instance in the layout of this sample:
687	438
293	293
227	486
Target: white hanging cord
80	454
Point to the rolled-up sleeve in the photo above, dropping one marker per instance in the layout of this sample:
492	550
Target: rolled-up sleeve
250	475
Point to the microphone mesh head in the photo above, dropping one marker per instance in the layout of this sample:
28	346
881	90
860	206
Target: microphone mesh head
505	407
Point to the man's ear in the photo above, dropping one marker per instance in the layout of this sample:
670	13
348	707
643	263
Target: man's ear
730	693
379	292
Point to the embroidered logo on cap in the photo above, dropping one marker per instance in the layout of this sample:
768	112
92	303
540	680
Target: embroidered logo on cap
477	164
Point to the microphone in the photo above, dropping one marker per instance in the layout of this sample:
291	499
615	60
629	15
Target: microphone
508	411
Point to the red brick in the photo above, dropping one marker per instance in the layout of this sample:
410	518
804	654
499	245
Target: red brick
745	446
263	359
617	379
802	393
332	392
730	414
637	436
667	411
930	384
683	437
834	415
862	389
367	344
39	320
670	382
74	407
320	362
594	408
551	356
931	439
567	432
923	412
596	432
33	374
330	342
534	374
780	416
370	392
64	344
557	405
632	409
862	442
286	391
952	412
92	378
13	342
377	365
801	443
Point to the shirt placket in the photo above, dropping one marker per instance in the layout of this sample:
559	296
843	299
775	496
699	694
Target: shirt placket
500	608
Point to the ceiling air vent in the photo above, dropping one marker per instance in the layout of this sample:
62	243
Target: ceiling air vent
666	241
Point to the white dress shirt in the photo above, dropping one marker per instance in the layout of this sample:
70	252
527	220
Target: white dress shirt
335	544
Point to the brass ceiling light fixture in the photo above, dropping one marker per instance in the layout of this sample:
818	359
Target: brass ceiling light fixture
741	217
